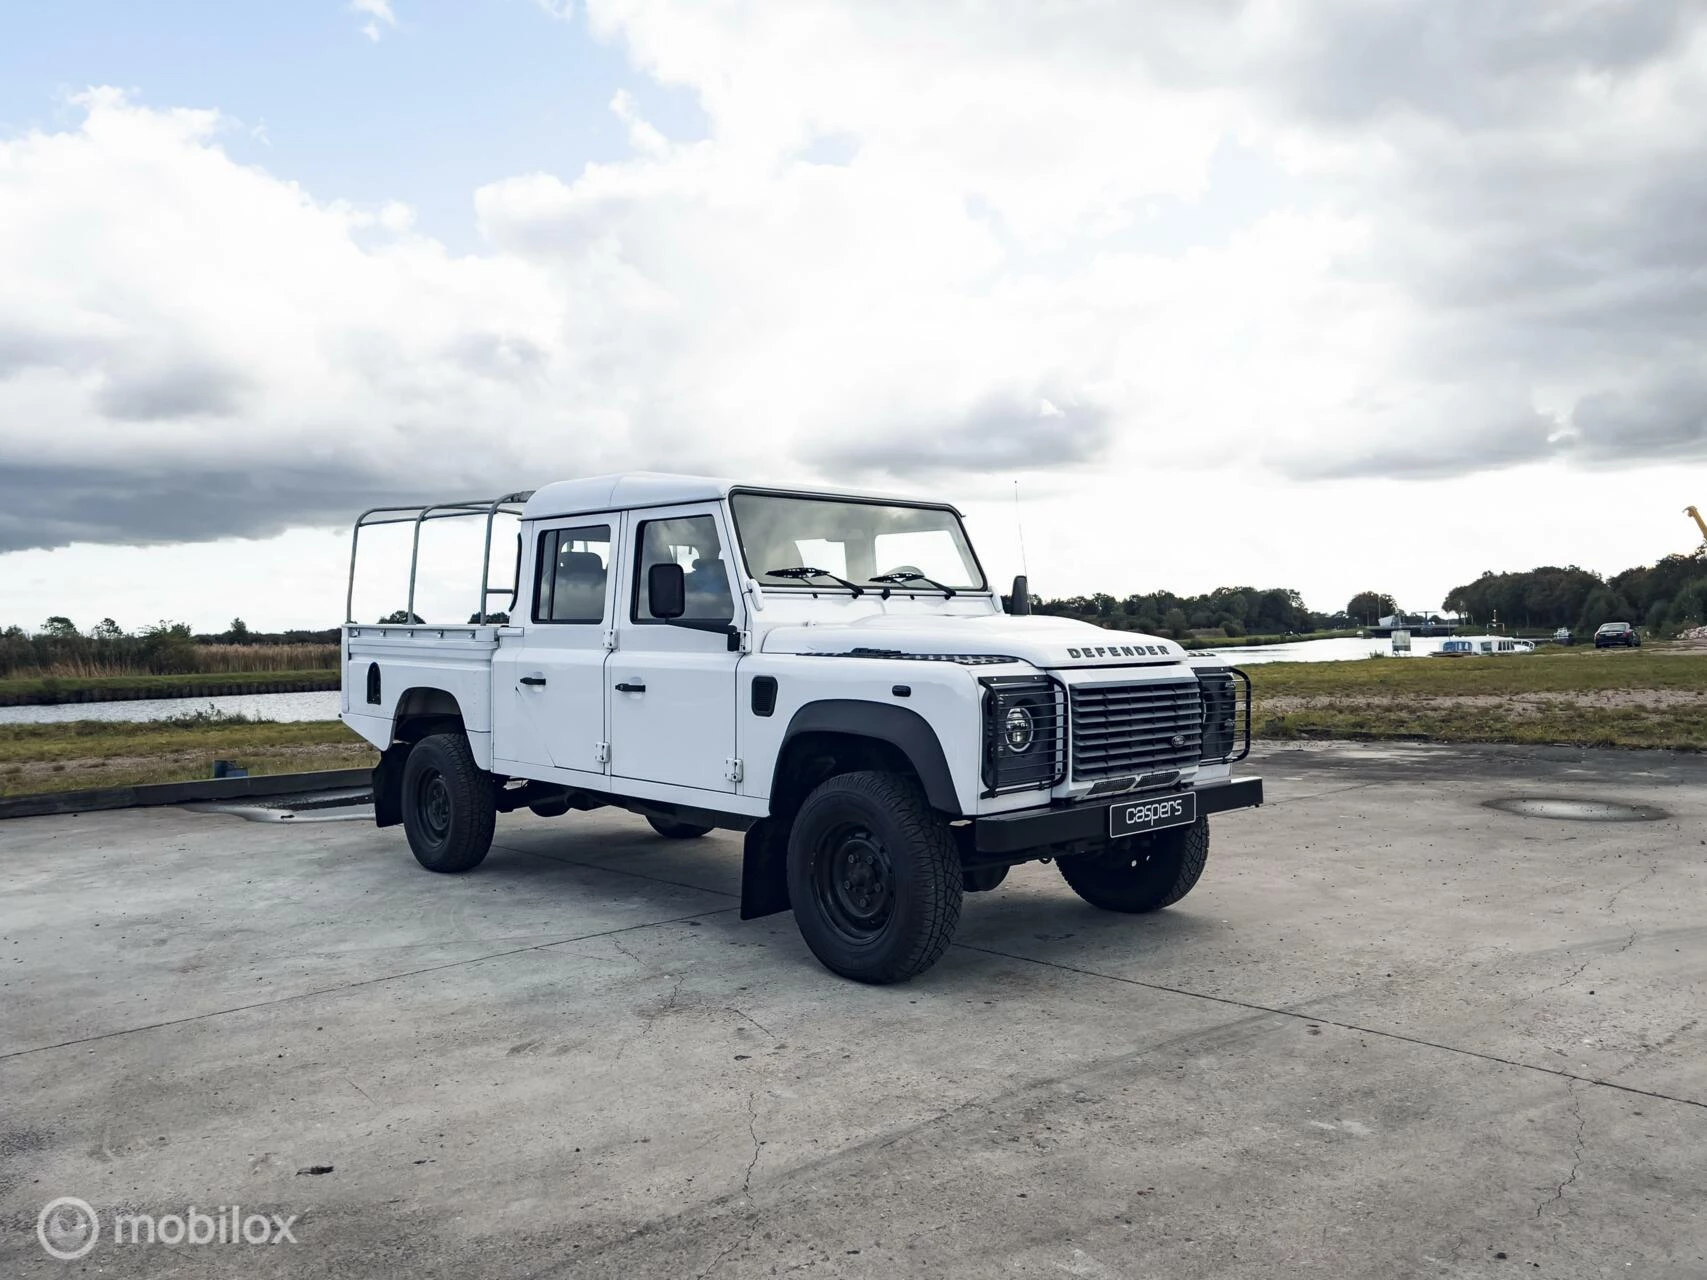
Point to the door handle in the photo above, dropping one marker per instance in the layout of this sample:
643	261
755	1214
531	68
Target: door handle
533	680
637	686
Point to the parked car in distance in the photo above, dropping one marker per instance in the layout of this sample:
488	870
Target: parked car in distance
1611	633
1563	636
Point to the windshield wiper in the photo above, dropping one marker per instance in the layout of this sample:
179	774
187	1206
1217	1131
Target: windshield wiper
908	575
801	572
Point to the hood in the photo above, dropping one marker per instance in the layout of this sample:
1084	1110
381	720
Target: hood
1051	643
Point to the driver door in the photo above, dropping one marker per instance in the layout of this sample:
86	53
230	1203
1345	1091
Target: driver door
672	686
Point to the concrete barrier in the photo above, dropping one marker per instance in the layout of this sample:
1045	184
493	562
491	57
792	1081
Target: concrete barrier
159	793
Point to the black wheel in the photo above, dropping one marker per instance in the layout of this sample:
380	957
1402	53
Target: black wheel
671	830
1141	873
448	812
874	877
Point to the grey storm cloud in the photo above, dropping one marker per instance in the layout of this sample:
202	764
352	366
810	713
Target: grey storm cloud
1418	449
186	390
52	506
1002	432
1461	62
1664	416
1537	251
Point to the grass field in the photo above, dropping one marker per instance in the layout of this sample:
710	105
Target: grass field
201	659
1647	698
38	758
1620	698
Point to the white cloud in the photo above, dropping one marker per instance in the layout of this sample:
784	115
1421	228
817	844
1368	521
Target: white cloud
379	15
1243	248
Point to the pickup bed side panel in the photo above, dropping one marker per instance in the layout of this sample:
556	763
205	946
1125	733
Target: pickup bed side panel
419	668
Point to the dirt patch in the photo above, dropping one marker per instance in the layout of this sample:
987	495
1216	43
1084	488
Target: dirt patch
1515	704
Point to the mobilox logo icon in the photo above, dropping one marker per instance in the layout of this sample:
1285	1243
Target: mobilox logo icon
68	1228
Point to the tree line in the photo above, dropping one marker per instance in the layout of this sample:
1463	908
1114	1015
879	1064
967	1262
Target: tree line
1235	611
1664	598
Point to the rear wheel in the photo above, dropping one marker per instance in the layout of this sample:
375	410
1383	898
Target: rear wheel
672	830
448	812
1141	873
874	877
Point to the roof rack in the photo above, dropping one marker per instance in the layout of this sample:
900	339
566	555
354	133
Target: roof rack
491	508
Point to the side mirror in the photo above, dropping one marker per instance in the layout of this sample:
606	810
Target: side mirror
1019	603
666	591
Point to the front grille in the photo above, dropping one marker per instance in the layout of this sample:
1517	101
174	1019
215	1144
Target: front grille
1135	728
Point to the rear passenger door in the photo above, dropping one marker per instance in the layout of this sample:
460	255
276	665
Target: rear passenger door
550	682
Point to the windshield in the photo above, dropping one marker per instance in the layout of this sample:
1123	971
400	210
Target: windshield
872	544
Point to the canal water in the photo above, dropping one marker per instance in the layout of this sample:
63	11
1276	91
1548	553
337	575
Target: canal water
324	705
262	706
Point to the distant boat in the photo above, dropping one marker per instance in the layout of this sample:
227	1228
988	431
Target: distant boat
1477	646
1426	625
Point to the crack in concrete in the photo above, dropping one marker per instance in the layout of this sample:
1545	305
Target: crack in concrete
742	1013
746	1183
1576	1154
362	982
1573	975
752	1132
1642	879
746	1235
1397	1036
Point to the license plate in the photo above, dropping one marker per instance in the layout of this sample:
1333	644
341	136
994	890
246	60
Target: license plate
1133	817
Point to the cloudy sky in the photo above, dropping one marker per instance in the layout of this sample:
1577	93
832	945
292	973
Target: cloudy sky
1334	295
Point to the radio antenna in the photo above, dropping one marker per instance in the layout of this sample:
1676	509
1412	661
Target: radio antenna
1019	527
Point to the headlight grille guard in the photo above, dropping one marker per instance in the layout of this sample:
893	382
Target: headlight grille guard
1226	714
1042	763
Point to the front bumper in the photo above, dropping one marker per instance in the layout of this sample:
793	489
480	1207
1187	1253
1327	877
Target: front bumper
1005	834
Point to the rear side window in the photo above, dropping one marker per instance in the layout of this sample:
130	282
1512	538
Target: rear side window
571	575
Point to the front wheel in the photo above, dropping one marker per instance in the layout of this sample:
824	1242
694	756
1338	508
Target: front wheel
448	813
874	877
1141	873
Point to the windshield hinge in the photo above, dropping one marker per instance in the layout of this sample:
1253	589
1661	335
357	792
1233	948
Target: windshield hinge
734	770
610	640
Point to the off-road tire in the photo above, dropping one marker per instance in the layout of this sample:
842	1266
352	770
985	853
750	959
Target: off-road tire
448	811
1140	873
873	876
672	830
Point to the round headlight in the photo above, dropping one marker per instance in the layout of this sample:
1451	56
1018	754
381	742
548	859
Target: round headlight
1018	730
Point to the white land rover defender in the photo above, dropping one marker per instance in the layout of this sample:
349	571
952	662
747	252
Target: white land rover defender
829	673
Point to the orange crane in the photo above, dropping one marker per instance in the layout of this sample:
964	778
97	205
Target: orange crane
1702	524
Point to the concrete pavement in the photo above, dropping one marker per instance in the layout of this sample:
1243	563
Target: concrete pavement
1394	1032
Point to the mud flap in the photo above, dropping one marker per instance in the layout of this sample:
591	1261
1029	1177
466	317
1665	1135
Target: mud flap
388	785
764	870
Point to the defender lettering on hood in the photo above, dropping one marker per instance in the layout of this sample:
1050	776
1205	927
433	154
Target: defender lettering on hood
1118	651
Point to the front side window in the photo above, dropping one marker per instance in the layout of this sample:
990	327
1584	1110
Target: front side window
573	570
692	542
873	544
